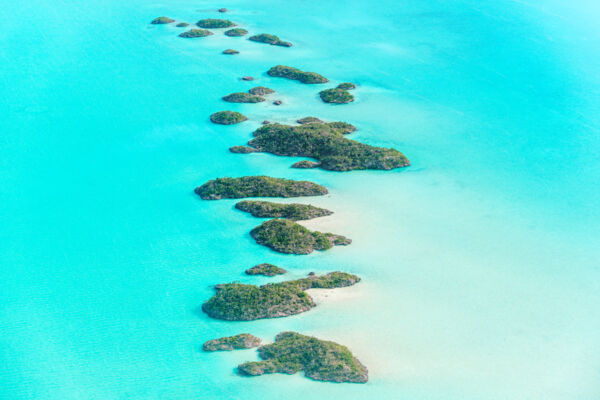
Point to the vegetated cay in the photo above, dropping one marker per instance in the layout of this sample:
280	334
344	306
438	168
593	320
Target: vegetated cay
291	211
286	236
257	186
282	71
240	302
320	360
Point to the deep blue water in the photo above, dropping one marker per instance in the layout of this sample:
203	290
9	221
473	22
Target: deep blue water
480	262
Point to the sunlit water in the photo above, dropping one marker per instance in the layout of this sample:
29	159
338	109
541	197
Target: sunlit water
479	262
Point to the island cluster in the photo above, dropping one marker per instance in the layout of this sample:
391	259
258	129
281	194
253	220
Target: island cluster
328	147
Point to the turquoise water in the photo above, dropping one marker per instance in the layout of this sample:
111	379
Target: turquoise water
480	262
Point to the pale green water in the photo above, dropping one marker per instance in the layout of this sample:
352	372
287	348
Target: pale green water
479	262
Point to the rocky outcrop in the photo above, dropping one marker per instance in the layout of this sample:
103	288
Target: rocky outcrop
237	342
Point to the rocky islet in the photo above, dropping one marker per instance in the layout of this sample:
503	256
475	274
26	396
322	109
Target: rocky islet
286	236
269	39
327	143
291	211
320	360
257	186
242	302
265	269
237	342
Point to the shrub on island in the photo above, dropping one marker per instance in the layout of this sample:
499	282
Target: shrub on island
231	51
182	25
285	236
320	360
269	39
266	270
346	86
243	97
282	71
240	302
291	211
237	342
304	164
326	143
236	32
336	95
257	186
227	117
162	20
242	149
260	91
195	33
308	120
211	23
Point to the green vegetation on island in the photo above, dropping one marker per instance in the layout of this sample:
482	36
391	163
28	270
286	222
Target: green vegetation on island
282	71
236	32
227	117
237	342
162	20
320	360
291	211
260	91
242	149
346	86
308	120
243	97
211	23
326	143
287	236
304	164
195	33
231	51
266	270
257	186
182	25
336	95
240	302
269	39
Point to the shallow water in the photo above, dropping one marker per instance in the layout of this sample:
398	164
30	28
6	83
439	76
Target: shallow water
479	262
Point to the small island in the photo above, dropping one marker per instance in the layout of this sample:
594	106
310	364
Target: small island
257	186
282	71
240	302
211	23
327	143
230	51
182	25
291	211
243	97
266	270
236	32
269	39
304	164
320	360
261	91
308	120
237	342
346	86
195	33
227	117
242	149
285	236
336	95
162	20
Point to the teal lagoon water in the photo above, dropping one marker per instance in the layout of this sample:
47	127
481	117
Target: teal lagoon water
480	262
